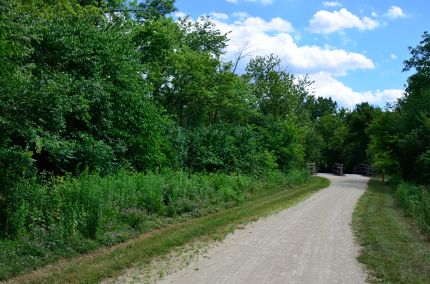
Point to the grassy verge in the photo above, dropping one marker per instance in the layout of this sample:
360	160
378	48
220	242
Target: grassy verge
392	248
64	217
111	262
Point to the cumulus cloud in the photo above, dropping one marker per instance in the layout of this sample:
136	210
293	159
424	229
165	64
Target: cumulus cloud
262	2
276	24
327	85
323	63
274	36
393	56
328	22
219	16
395	12
332	4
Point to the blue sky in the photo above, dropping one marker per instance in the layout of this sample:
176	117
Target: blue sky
353	50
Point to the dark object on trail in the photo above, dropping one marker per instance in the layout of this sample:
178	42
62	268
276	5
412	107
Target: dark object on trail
338	169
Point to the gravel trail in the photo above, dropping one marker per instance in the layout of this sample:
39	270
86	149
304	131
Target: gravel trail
311	242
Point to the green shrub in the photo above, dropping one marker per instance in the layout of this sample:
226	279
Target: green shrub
228	148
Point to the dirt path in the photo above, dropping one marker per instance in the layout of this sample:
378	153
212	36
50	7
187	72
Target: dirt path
311	242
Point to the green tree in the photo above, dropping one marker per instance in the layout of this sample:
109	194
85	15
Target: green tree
357	140
414	143
275	90
320	106
420	57
182	64
155	9
333	130
86	105
383	132
17	30
280	101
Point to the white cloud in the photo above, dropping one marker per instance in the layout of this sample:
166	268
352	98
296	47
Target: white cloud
275	25
395	12
262	2
240	15
332	4
393	56
219	16
329	22
327	86
322	63
267	37
374	14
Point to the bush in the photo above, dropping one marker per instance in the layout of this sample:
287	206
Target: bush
90	206
229	149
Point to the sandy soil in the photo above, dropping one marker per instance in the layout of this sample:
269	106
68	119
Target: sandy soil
311	242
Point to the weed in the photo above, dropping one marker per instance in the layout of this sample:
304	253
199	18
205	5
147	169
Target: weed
68	216
111	262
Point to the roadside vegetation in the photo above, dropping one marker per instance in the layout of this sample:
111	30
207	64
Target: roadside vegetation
87	212
110	262
393	249
400	139
392	220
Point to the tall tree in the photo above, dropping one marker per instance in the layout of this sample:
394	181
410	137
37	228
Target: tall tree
414	145
155	9
357	140
383	132
276	92
320	106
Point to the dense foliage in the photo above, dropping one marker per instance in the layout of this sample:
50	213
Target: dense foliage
67	216
98	86
400	138
115	118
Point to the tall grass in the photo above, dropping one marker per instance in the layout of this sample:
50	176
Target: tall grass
415	201
67	216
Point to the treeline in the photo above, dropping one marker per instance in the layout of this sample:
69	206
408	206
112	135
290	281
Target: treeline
102	87
400	138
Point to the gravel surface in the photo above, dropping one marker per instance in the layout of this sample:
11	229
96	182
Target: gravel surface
311	242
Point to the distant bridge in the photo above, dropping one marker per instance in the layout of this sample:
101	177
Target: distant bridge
363	169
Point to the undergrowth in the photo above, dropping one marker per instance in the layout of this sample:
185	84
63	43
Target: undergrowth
68	216
415	202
